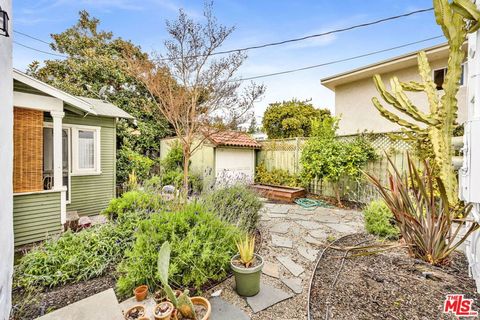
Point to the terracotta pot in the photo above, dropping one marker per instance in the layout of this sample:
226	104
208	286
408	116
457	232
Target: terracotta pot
138	307
166	316
198	301
141	292
205	303
144	318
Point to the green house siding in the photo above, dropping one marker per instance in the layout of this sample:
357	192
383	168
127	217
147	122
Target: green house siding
36	216
91	194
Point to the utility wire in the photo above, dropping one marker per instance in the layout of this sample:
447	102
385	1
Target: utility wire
31	37
261	45
38	50
366	24
337	61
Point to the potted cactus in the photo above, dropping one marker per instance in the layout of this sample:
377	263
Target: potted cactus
247	267
195	308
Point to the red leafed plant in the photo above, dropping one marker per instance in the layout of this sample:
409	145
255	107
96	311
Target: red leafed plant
419	203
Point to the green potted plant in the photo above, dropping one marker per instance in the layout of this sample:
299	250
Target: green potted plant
195	308
247	267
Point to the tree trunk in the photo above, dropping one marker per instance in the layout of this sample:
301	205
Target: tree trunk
186	161
337	194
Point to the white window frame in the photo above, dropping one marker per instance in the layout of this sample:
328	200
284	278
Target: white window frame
464	74
76	171
69	153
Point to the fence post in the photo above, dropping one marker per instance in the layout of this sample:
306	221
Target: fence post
297	153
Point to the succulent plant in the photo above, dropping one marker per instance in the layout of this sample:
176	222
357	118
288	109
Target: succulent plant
182	303
457	19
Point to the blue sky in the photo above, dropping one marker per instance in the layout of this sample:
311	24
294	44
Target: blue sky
256	22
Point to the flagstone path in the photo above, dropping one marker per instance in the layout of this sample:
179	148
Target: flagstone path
292	238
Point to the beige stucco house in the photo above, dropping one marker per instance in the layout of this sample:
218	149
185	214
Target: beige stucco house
354	90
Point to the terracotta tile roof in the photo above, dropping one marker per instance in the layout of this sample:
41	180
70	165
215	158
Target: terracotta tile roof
234	139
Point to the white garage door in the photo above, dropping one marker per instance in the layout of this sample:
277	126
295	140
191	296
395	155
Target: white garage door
234	165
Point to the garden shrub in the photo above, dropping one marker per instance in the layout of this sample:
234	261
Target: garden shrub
174	158
129	161
380	221
277	177
138	201
326	157
237	205
202	246
78	256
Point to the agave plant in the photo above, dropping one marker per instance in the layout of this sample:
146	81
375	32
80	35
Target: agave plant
422	212
246	250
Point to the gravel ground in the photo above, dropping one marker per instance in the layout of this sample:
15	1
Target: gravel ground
387	285
296	307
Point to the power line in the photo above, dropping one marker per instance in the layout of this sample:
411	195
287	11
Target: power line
31	37
366	24
261	45
38	50
338	61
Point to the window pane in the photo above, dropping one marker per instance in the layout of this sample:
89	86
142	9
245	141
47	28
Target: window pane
86	149
438	78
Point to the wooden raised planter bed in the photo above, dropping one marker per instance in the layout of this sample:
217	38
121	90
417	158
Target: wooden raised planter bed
287	194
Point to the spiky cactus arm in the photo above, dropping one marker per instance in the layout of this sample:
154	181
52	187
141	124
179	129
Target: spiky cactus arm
430	88
400	101
393	117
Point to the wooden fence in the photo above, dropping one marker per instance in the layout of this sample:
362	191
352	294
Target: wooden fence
285	154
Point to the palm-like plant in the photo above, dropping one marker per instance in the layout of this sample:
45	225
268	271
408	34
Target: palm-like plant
422	212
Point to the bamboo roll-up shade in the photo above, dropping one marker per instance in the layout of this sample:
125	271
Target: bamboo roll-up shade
28	150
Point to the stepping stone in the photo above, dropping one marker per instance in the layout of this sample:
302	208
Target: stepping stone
267	297
308	253
312	240
277	215
280	209
297	217
328	218
265	217
294	283
222	310
291	266
281	228
310	225
319	234
343	228
283	242
103	305
271	269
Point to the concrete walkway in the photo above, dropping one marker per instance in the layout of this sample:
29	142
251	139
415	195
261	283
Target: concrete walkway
292	238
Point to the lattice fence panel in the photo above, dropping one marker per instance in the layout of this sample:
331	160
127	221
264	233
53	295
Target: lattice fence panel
286	153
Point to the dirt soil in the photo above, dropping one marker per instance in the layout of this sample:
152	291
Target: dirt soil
33	305
388	285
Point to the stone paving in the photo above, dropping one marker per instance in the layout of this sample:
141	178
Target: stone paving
292	238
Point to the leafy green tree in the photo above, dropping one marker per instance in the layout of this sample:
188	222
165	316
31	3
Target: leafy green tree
292	118
326	157
95	68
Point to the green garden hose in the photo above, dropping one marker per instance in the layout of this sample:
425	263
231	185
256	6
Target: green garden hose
311	204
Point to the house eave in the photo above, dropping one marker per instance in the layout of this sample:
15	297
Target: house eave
54	92
384	66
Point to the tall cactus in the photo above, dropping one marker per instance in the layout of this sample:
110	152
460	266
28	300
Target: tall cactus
457	19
